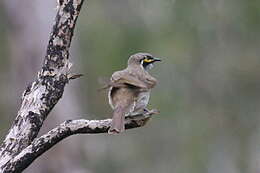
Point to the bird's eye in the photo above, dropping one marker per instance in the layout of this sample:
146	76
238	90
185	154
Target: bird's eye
148	57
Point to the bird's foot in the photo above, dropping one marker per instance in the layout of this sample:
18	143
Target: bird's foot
144	113
150	112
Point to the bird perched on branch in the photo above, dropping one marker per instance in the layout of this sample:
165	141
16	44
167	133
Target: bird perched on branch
129	89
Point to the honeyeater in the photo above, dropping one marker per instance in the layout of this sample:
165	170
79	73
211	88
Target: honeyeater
130	89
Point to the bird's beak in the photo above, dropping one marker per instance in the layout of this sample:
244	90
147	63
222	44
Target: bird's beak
156	59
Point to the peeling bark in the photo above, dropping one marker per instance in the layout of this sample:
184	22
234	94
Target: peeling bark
21	147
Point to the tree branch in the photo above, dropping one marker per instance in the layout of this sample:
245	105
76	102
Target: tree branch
42	95
66	129
20	146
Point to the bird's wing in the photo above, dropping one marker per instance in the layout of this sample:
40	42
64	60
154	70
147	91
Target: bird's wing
124	78
123	101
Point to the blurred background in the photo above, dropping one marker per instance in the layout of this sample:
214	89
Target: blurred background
208	91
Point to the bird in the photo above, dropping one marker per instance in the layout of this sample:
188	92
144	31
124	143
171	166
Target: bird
129	89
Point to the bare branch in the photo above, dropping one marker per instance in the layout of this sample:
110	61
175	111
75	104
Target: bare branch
21	147
68	128
42	95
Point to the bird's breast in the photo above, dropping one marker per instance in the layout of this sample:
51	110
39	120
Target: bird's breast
142	101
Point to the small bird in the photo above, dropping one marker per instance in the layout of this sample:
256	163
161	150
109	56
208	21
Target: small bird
129	89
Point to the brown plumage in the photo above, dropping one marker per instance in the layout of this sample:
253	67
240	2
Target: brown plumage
129	90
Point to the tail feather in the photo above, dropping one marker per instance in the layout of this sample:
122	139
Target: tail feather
118	121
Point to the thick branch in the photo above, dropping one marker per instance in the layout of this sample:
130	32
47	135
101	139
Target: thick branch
68	128
20	148
42	95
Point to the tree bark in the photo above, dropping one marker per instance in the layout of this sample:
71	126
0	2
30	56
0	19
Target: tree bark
68	128
23	54
41	96
20	147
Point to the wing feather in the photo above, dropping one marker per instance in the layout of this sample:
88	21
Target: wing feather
123	78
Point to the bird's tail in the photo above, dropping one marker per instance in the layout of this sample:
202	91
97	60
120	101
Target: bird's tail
118	120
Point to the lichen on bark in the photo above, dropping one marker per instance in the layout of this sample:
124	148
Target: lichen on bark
20	146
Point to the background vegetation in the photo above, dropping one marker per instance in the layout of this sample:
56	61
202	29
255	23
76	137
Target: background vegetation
208	91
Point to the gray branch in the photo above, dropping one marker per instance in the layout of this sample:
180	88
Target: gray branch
42	95
68	128
20	146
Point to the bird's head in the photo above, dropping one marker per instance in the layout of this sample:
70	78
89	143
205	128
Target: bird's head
145	60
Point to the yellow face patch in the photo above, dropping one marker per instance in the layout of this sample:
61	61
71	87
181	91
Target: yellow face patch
148	60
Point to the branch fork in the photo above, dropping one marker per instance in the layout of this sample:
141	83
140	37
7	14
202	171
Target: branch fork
21	145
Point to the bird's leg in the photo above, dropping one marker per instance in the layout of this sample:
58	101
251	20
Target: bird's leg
138	112
145	112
